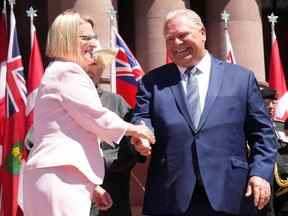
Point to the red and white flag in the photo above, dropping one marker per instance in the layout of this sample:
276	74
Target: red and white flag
128	72
230	58
3	71
277	80
15	125
35	74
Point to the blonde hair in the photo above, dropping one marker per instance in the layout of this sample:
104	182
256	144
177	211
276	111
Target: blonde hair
63	36
190	15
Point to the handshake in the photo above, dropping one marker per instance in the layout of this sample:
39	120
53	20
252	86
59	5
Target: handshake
141	138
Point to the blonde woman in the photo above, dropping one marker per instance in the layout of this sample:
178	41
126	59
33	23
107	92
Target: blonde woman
63	174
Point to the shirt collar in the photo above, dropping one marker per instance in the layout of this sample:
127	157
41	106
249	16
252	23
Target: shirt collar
202	66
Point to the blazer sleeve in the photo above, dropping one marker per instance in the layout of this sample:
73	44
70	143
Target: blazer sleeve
260	134
142	111
81	101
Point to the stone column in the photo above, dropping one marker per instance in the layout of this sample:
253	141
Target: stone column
245	30
98	10
149	40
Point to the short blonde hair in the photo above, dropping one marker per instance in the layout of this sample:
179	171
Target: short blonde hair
63	36
193	17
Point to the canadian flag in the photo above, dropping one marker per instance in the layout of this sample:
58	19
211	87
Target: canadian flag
35	74
277	80
230	58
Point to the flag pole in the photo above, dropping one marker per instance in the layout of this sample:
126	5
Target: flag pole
31	13
229	54
4	11
113	26
273	20
276	74
225	16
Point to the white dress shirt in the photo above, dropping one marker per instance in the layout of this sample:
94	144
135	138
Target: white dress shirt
204	67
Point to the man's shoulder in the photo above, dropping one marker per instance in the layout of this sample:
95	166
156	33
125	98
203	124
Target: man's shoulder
162	69
229	66
162	74
233	70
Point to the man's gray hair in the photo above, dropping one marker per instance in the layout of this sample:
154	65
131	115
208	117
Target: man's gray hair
187	13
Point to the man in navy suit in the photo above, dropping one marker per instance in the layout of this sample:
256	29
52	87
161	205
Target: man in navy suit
199	164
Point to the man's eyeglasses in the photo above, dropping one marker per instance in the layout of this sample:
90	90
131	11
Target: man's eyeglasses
89	37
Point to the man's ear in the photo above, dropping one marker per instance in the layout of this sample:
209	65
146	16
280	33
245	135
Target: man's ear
203	32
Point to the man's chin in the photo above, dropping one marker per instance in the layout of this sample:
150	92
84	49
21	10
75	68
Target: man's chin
184	62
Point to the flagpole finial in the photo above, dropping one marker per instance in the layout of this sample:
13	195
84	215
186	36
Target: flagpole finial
113	24
272	19
31	13
225	16
112	15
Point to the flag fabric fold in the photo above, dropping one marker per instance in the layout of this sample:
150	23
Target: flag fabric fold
277	80
15	124
35	74
230	58
3	72
128	72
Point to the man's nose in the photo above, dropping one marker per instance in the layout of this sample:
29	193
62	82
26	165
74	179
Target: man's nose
178	41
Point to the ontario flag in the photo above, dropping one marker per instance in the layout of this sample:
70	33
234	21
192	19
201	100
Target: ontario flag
230	58
277	80
128	72
15	128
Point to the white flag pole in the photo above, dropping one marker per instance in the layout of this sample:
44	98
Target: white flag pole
31	13
113	26
225	16
273	20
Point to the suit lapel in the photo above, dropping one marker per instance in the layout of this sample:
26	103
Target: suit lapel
179	95
216	78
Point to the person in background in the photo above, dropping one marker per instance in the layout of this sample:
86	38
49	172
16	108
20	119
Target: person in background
278	205
203	111
286	128
65	167
281	174
119	159
270	99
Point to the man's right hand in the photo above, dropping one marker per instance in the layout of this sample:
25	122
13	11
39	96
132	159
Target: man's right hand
140	131
143	140
141	145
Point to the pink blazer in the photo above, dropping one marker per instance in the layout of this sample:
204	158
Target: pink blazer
70	121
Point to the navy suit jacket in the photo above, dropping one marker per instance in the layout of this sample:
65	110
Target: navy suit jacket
234	113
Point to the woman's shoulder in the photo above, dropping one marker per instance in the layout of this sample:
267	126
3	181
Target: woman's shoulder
61	66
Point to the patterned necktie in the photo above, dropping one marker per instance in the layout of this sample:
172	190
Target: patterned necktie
192	96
